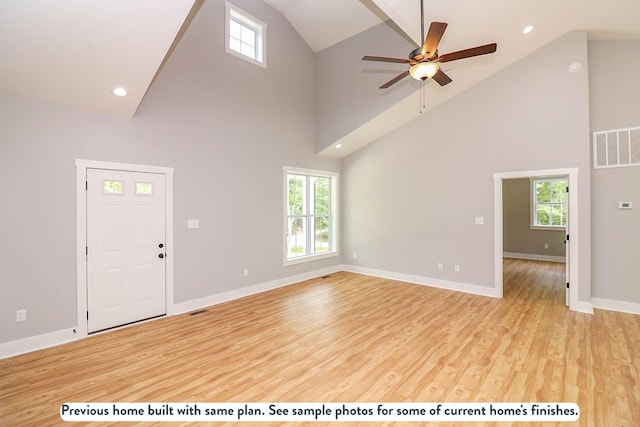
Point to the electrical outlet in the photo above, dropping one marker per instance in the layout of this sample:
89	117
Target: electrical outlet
245	272
456	268
546	246
21	315
440	266
355	255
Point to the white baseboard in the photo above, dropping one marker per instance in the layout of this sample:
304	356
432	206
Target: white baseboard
583	307
37	342
426	281
29	344
534	257
210	300
615	305
51	339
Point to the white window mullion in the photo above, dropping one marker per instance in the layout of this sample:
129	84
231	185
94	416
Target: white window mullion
308	207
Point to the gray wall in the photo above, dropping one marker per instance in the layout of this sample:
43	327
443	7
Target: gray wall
614	98
226	126
412	196
519	238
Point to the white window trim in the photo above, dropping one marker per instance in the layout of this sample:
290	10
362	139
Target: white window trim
250	21
335	232
532	196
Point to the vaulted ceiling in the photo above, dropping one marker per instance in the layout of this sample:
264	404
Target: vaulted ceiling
74	52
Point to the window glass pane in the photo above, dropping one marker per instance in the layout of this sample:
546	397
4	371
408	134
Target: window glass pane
296	238
543	191
249	51
248	36
112	187
321	241
235	30
321	196
144	188
235	45
558	215
542	214
296	192
559	191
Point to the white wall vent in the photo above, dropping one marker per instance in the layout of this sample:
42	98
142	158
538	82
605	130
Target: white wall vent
616	148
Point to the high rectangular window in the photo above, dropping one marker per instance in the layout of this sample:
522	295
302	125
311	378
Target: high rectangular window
245	35
310	214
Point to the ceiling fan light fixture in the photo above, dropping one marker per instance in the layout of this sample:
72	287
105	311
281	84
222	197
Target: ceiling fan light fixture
424	70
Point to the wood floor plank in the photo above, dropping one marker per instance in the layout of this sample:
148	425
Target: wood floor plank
352	338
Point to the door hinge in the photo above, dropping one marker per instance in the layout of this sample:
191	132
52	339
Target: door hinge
86	250
86	185
567	285
567	237
567	189
87	315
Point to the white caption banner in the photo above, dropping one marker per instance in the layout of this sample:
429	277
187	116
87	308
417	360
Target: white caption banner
315	411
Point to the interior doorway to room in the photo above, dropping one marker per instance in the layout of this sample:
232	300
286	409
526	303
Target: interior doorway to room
124	231
571	234
535	220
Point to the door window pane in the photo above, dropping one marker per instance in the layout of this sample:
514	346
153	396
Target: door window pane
144	188
112	187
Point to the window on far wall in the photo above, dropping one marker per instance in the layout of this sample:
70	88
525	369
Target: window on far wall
549	203
246	36
310	214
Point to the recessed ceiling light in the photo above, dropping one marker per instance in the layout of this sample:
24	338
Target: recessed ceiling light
527	29
120	91
338	145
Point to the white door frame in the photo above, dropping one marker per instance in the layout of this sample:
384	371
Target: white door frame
572	229
81	231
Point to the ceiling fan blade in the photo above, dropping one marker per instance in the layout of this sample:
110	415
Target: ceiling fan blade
387	59
442	78
431	42
395	80
468	53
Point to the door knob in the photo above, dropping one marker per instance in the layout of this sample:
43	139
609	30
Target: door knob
161	245
161	255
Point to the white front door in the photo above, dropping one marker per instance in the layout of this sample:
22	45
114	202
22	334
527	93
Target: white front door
125	247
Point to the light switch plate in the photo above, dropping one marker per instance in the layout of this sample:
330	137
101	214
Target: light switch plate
479	220
193	223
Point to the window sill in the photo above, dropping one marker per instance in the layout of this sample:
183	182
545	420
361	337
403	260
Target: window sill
548	228
309	258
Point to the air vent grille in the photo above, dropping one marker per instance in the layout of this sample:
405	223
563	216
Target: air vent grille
616	148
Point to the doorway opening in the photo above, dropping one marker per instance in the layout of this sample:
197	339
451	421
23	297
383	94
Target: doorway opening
534	237
571	237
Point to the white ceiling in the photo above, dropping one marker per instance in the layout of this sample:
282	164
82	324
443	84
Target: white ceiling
74	52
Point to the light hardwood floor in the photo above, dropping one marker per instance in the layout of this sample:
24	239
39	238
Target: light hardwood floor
352	338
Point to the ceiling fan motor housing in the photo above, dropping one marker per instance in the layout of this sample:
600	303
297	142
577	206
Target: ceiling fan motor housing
416	55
